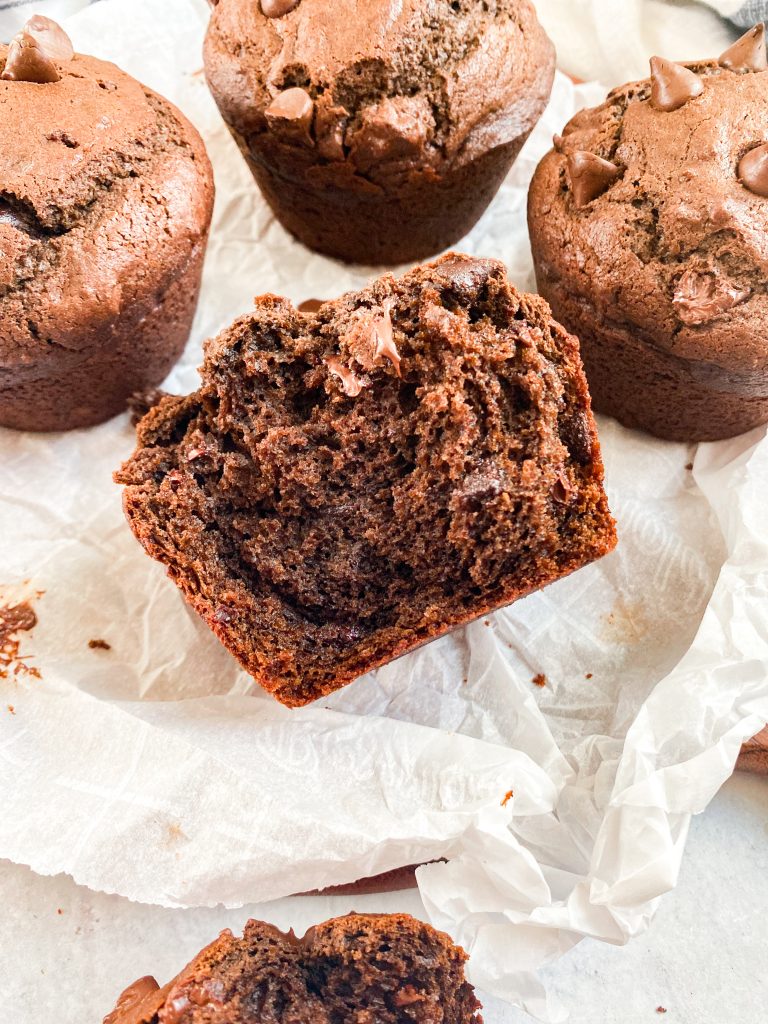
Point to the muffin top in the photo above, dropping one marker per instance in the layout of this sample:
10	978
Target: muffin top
382	84
103	189
654	207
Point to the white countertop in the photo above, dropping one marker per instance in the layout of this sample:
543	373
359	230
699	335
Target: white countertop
703	958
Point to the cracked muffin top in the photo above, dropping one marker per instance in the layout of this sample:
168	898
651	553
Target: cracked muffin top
104	190
653	207
384	83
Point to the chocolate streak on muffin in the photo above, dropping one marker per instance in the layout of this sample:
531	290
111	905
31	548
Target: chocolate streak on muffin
349	484
659	266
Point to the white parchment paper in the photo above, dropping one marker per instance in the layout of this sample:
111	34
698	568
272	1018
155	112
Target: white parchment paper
155	770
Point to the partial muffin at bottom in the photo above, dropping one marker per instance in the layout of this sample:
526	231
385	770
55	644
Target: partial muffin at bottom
349	484
387	968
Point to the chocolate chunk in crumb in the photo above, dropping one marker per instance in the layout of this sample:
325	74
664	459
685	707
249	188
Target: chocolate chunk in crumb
351	384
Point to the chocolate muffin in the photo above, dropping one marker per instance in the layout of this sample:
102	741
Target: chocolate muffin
649	228
378	132
349	484
382	968
106	195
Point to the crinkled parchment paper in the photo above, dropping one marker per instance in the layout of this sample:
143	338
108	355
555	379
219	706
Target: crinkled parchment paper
153	768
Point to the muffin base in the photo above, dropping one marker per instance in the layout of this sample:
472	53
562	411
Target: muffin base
649	389
346	217
136	352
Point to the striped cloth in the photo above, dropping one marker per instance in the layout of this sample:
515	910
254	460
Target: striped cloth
752	12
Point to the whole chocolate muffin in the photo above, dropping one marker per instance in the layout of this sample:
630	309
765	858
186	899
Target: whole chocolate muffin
106	196
649	228
379	132
349	484
377	968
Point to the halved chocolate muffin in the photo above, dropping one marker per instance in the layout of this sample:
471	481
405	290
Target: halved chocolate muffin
349	484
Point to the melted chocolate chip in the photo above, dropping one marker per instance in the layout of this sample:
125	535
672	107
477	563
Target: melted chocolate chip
672	85
753	170
590	176
278	8
370	338
699	298
384	346
51	38
747	53
351	384
26	62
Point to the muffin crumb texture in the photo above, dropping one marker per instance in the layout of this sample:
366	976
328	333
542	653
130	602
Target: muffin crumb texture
349	484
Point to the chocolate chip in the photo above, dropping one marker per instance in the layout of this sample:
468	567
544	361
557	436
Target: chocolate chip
291	113
26	62
561	491
577	437
753	170
310	305
278	8
51	38
131	998
672	85
464	275
590	176
747	53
